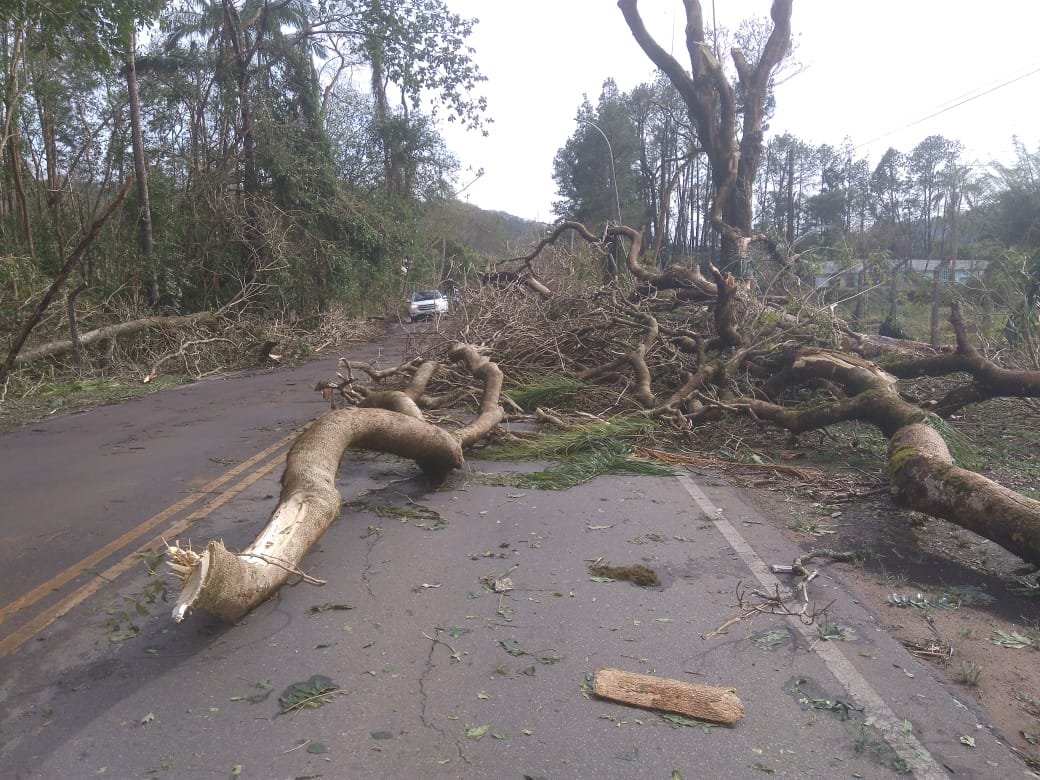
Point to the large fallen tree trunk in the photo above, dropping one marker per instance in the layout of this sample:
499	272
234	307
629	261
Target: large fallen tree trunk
925	478
922	472
56	348
228	585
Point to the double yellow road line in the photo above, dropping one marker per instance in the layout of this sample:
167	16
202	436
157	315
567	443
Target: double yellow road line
253	469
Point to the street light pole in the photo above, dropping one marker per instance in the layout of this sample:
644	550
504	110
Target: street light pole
613	172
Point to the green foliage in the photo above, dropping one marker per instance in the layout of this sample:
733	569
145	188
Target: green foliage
94	32
422	48
581	453
596	170
546	390
572	441
577	469
309	694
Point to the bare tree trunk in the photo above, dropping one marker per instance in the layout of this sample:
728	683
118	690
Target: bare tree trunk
713	103
74	339
14	157
59	280
933	327
141	172
229	585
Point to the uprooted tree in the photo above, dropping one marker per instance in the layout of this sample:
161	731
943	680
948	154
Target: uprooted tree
690	350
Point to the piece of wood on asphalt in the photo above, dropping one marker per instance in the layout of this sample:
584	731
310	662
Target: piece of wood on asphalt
703	702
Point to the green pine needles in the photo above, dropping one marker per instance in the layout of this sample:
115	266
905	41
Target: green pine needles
579	454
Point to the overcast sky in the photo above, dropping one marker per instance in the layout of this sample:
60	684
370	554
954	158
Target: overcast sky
875	70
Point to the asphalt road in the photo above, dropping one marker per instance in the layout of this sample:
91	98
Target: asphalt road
429	672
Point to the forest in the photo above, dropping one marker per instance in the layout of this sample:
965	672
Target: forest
282	160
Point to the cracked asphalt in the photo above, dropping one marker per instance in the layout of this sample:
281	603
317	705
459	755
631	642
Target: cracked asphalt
456	637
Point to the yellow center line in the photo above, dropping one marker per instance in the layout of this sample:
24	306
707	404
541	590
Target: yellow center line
73	571
17	638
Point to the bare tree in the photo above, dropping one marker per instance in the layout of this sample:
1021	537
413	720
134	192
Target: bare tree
728	116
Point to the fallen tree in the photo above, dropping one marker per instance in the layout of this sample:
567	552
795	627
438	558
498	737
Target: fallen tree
228	585
112	332
70	264
921	470
648	356
642	349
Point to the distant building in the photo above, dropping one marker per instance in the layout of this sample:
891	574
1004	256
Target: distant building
830	274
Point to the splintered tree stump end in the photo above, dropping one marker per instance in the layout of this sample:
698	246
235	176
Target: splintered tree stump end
703	702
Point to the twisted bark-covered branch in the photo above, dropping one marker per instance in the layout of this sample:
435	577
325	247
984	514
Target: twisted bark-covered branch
922	473
636	360
228	585
989	379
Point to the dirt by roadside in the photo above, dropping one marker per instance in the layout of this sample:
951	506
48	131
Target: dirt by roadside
954	599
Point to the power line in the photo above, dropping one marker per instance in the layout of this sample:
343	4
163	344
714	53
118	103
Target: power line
967	97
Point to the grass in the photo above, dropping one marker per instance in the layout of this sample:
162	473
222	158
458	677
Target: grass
892	579
572	441
23	404
970	674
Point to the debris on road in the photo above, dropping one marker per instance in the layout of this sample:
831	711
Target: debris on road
704	702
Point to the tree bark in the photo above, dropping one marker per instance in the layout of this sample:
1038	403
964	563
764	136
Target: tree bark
924	478
704	702
989	379
66	269
922	474
141	172
713	103
56	348
229	585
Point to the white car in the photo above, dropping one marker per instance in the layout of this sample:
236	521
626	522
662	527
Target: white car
426	303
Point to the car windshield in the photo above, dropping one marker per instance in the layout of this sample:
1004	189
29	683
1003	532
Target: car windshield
425	295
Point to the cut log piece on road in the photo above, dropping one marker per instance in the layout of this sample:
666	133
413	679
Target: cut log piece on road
703	702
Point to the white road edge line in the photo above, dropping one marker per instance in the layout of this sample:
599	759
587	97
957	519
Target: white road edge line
904	744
